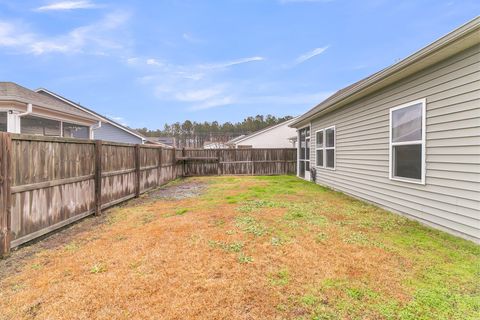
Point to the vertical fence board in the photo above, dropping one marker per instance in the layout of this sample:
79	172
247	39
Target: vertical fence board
98	177
5	193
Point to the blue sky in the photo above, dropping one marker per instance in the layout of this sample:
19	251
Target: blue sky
145	63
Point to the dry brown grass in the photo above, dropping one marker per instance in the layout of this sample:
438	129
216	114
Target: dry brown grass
193	259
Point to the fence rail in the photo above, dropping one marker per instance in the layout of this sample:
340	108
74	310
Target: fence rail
47	183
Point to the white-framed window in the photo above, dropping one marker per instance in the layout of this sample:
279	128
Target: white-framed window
319	148
407	142
325	148
330	142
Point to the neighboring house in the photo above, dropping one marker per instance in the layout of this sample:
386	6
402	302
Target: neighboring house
169	141
25	111
408	137
108	129
153	141
215	145
276	136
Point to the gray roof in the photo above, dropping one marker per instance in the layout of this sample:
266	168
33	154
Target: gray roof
455	41
55	96
15	92
231	141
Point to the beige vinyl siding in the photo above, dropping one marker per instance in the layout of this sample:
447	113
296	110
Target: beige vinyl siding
450	199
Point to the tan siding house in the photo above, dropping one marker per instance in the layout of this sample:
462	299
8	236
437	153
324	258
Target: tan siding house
276	136
408	137
25	111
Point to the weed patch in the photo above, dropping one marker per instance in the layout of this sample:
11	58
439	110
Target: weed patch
244	259
253	205
98	268
180	212
228	247
280	278
251	225
304	212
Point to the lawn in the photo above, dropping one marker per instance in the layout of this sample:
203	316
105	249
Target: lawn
249	248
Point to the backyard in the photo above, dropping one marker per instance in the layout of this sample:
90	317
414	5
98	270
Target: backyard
243	248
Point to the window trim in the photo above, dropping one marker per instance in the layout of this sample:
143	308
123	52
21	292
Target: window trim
421	181
325	148
334	148
322	148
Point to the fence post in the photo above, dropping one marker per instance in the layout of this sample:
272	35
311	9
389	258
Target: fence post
252	162
5	194
137	170
98	177
219	170
183	162
159	168
174	163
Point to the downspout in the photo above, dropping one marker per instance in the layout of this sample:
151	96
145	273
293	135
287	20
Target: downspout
29	110
95	127
13	123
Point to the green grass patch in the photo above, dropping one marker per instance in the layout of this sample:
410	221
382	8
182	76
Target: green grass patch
98	268
228	247
305	213
280	278
244	259
249	224
181	211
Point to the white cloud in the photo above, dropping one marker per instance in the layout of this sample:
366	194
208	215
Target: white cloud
227	64
190	38
13	36
199	95
132	60
305	99
214	103
197	86
68	5
154	62
96	38
308	55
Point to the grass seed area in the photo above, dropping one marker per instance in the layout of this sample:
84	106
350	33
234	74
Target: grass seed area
250	248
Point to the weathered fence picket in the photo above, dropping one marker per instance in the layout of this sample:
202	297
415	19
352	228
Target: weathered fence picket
47	183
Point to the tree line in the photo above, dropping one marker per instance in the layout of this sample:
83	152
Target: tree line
192	134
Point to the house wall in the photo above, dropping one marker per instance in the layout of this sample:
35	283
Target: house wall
274	138
112	133
450	199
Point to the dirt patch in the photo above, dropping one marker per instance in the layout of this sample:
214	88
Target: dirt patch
15	262
178	190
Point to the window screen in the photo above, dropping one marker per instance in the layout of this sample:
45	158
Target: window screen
71	130
319	143
39	126
407	141
330	148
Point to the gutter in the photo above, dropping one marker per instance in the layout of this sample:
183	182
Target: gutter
29	111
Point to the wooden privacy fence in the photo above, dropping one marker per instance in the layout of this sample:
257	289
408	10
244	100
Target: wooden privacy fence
201	162
47	183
